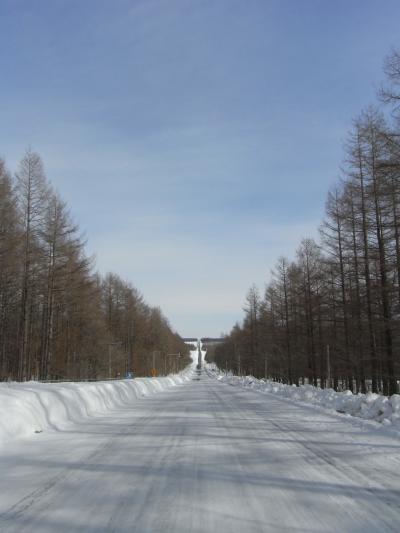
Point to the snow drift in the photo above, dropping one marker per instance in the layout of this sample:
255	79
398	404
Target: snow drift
32	407
368	406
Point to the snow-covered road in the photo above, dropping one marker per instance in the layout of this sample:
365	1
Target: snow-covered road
204	457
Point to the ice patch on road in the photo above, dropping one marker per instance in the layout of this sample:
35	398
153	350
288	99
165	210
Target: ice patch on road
32	407
370	406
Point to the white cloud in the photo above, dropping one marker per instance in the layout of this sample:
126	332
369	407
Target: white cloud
189	279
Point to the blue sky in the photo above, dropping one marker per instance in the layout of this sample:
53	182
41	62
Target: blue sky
194	140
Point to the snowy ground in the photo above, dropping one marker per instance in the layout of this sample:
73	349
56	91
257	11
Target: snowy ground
203	457
31	407
369	406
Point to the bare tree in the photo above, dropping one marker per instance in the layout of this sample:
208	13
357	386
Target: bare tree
33	195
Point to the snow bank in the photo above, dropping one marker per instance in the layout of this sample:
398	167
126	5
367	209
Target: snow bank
368	406
32	407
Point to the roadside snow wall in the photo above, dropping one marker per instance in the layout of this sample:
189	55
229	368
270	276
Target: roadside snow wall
368	406
26	408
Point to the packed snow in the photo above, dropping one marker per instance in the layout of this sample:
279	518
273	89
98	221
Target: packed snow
201	456
32	407
370	406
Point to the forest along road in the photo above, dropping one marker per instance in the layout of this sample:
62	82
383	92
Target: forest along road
204	457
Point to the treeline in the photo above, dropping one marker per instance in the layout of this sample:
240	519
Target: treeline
59	319
331	317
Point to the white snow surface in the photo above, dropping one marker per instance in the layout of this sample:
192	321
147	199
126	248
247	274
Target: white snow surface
32	407
370	406
200	457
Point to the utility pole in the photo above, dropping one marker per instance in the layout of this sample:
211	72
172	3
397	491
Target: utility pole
328	366
153	369
110	344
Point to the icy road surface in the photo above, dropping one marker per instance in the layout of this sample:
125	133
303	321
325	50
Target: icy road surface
204	457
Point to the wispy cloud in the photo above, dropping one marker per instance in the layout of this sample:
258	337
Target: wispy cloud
194	141
189	278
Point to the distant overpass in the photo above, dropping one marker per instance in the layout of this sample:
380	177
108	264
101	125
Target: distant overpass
205	341
212	340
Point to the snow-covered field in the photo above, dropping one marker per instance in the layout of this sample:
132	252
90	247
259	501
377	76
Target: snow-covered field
368	406
31	407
